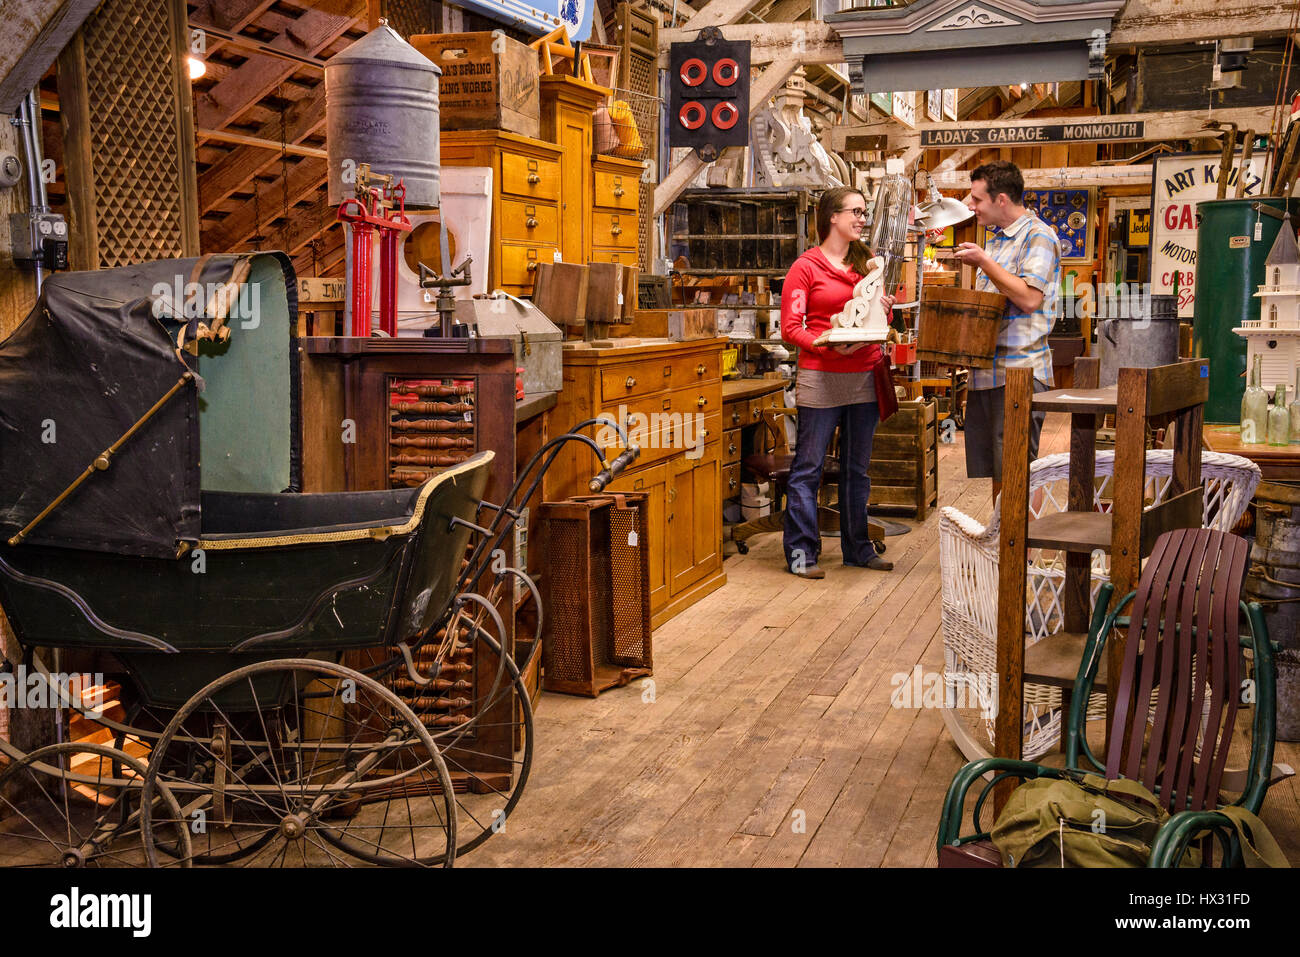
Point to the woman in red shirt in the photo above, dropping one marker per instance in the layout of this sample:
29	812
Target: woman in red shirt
836	386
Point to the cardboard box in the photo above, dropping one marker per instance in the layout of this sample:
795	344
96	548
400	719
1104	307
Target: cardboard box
488	83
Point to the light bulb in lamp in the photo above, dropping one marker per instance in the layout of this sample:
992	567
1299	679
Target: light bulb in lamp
197	67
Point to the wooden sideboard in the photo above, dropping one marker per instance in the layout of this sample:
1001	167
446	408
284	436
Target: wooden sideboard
670	393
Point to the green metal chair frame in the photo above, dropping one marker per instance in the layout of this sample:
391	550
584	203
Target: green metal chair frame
1178	620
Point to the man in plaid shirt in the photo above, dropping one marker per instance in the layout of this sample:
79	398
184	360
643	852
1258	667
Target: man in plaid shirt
1023	263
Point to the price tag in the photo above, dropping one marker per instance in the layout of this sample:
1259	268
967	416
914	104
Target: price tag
631	539
620	299
556	256
469	417
1259	230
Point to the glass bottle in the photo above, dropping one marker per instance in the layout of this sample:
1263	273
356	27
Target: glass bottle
1279	420
1295	410
1254	408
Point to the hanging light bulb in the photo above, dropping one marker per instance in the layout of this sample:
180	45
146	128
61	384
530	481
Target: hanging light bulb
197	67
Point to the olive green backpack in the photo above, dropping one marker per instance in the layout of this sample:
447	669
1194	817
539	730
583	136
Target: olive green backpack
1088	821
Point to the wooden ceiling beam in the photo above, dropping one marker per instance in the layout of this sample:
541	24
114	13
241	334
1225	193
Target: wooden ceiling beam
261	73
232	15
303	119
305	224
303	179
331	253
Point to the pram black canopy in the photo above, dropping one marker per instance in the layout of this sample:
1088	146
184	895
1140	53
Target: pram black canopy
97	352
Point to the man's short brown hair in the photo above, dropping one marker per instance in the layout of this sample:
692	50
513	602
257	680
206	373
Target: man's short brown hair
1001	176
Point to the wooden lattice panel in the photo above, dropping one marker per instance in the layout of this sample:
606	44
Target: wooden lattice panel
138	149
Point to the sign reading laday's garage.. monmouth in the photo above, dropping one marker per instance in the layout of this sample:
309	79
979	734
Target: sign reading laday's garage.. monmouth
1178	183
1037	133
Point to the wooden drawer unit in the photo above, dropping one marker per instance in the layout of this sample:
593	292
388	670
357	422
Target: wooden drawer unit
624	257
659	388
532	176
615	213
528	222
614	229
618	188
732	442
730	479
526	187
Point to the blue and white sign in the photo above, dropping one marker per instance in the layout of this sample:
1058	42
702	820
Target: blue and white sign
539	16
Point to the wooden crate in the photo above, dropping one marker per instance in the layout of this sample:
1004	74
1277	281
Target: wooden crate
904	467
481	88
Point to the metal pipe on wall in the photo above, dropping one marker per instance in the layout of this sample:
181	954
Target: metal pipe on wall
29	118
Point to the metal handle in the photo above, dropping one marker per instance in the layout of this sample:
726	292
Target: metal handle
700	370
629	382
616	231
735	417
731	483
758	414
530	222
618	191
701	402
731	447
533	179
532	265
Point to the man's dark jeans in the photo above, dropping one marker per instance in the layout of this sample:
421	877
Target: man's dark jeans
802	540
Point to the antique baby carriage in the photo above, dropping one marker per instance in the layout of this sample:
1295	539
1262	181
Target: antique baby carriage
151	523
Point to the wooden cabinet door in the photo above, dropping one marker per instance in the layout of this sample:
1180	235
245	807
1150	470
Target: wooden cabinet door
694	518
575	193
654	482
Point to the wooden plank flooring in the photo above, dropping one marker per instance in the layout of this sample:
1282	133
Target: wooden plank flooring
767	736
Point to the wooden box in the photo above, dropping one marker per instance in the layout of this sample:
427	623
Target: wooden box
561	291
687	324
489	81
904	468
605	284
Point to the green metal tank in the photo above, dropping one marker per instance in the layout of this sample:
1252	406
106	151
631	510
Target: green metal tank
1227	278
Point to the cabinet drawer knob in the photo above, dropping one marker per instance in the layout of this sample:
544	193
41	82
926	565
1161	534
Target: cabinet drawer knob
618	191
700	370
701	402
616	231
532	265
735	417
533	179
731	483
758	414
731	447
629	382
530	222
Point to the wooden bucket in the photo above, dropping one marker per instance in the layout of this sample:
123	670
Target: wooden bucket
959	326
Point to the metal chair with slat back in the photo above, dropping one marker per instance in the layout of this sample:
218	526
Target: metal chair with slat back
1177	701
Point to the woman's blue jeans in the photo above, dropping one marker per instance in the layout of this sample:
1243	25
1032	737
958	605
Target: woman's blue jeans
802	539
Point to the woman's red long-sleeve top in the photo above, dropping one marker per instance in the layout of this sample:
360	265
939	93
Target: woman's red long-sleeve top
814	290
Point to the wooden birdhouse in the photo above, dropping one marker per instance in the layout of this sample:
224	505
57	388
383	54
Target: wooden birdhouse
1275	335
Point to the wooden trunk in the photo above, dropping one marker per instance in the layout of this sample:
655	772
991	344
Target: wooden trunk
959	326
489	81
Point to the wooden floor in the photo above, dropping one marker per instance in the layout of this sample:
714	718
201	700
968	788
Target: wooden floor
768	738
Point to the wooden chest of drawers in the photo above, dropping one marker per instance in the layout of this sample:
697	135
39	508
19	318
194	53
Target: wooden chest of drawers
669	395
526	191
615	212
742	430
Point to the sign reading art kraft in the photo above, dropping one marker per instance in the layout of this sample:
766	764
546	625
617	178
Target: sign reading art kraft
1178	183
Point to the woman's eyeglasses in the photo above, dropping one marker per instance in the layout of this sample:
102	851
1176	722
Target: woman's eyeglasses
858	212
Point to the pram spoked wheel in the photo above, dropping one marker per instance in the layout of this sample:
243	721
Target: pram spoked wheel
77	804
301	762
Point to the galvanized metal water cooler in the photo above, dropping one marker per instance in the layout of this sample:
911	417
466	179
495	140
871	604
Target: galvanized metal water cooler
1232	242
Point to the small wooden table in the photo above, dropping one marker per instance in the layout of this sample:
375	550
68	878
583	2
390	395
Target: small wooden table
1277	463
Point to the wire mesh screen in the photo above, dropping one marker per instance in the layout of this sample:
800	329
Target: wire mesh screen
143	207
627	127
629	581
